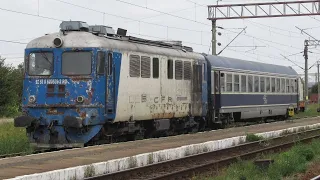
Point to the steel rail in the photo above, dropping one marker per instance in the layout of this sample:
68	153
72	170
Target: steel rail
190	166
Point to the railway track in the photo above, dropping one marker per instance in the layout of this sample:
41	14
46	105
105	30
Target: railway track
239	124
211	162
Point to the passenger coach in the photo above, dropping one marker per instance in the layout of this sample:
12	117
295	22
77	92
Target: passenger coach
242	90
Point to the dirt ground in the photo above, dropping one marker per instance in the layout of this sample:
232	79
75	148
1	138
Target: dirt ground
312	171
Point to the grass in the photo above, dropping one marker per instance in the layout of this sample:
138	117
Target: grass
285	165
253	138
311	111
13	140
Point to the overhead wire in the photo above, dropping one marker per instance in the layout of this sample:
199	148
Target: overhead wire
123	17
155	10
15	42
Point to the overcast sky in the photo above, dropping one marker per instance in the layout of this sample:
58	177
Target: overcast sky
273	36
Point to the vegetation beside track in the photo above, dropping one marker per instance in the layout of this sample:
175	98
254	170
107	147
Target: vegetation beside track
310	112
285	165
13	140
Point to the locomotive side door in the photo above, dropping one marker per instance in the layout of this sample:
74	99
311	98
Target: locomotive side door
106	81
197	89
110	83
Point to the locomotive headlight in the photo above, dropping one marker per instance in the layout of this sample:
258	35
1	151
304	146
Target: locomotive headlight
57	42
80	99
32	99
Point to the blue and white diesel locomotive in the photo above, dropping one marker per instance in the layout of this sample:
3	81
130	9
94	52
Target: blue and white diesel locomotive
88	84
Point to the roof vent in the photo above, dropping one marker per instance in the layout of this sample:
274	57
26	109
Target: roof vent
102	30
74	26
122	32
177	43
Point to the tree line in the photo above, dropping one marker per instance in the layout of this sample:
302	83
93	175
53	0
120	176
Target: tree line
11	84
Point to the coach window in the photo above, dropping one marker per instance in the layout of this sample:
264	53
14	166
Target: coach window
134	64
155	68
236	83
250	83
268	89
243	83
145	67
187	70
256	83
283	85
262	84
229	82
278	85
222	82
178	69
273	85
170	69
292	85
287	86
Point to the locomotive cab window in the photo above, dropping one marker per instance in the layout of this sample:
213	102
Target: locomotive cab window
76	63
170	69
40	64
155	67
100	62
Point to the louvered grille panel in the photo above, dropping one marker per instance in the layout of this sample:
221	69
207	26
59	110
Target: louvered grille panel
134	66
187	70
178	69
145	67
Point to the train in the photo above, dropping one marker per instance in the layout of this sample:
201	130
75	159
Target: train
87	85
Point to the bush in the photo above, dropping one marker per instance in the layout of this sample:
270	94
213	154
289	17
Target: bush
253	138
11	82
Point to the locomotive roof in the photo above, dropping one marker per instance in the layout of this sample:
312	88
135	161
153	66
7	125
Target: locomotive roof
226	63
80	39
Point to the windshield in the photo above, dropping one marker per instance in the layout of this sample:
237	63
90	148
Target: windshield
76	63
40	64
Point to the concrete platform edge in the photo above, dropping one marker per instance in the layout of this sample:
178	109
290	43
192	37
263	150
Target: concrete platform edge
121	164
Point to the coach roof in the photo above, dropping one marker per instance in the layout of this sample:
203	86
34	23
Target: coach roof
225	63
